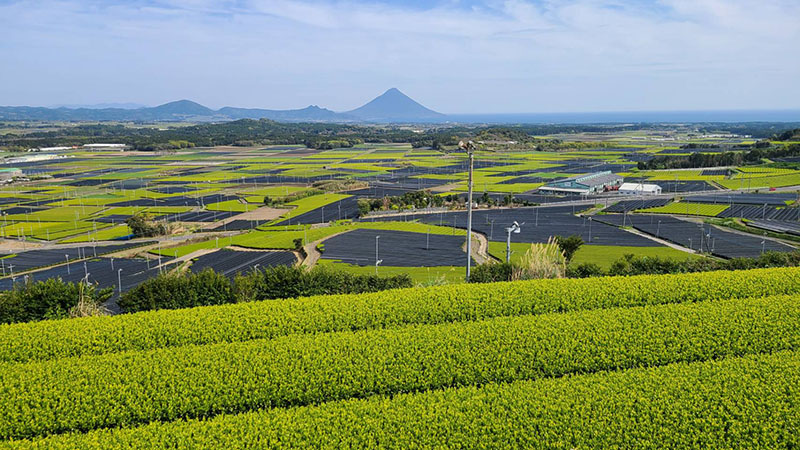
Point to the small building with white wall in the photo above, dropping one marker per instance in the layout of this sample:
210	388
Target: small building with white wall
588	184
104	146
639	189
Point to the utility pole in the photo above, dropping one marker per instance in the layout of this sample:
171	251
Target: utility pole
377	261
469	147
514	228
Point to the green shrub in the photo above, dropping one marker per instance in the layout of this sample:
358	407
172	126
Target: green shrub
491	273
569	245
179	290
288	282
173	291
49	299
585	270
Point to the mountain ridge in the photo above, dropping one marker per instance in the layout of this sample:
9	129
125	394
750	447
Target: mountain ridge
391	106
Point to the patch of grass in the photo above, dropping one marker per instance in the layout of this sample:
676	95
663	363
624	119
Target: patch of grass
605	255
422	275
518	249
231	205
105	234
689	209
307	204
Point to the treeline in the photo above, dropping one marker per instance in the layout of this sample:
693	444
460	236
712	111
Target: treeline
789	135
409	200
243	132
729	158
646	265
55	299
186	290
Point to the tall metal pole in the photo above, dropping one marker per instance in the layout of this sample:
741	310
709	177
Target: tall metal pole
508	245
377	261
428	240
470	149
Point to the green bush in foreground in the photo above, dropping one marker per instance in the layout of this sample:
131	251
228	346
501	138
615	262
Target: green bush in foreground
199	381
440	304
49	299
172	291
186	290
639	265
748	402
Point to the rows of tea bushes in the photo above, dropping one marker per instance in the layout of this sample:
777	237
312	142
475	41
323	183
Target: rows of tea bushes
132	388
270	319
745	402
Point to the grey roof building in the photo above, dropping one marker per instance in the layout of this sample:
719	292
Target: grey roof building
591	183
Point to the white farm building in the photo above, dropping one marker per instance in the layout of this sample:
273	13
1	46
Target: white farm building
639	189
592	183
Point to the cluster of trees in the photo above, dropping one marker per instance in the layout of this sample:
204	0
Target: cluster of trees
186	290
280	200
143	225
729	158
415	199
240	132
322	143
789	135
329	135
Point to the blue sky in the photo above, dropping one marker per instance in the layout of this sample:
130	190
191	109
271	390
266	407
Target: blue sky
453	56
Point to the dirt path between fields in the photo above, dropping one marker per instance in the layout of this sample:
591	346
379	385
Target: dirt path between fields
312	254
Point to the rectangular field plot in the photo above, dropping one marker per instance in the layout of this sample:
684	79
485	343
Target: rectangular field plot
689	209
643	203
604	256
761	212
395	248
32	259
537	226
733	198
231	262
716	241
777	226
320	209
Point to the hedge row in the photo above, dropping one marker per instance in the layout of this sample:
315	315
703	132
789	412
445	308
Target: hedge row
269	319
198	381
748	402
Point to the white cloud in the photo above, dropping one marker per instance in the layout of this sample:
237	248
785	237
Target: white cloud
511	55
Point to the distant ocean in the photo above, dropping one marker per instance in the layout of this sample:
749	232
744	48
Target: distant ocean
785	115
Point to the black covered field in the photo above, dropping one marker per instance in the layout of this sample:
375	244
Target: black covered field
343	209
396	249
231	262
763	212
551	221
641	203
743	199
103	272
32	259
716	241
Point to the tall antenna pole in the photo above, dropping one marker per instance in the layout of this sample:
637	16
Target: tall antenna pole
469	146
